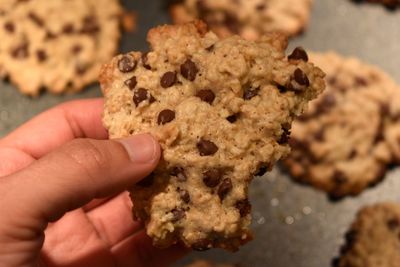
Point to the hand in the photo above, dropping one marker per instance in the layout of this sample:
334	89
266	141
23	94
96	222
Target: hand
49	176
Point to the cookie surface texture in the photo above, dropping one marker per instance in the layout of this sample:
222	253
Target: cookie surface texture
374	238
346	139
221	110
248	18
59	44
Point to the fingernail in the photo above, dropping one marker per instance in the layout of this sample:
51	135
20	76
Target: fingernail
141	148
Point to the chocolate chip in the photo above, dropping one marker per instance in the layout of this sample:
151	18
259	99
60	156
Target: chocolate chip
145	61
168	79
352	154
250	92
36	19
165	116
189	70
261	7
210	48
282	89
224	188
41	55
232	23
351	237
393	224
232	118
211	178
262	170
284	139
335	262
339	177
21	51
327	102
147	181
141	95
50	35
178	214
202	245
90	25
76	49
360	81
179	172
131	83
68	28
298	54
206	95
10	27
206	148
81	69
184	195
244	207
127	64
319	135
301	78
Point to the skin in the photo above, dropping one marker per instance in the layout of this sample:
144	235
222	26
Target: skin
62	193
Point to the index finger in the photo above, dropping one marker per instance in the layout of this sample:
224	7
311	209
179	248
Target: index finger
52	128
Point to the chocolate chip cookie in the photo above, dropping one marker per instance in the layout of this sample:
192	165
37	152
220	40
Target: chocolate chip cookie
374	238
221	110
203	263
59	45
248	18
342	143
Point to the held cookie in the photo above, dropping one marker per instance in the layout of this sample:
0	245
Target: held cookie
374	238
59	44
248	18
341	144
221	110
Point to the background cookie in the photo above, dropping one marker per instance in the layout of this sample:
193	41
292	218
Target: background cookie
221	110
249	18
348	137
374	238
58	44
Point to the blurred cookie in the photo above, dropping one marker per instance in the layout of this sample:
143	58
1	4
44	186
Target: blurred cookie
221	110
203	263
59	44
340	144
374	238
248	18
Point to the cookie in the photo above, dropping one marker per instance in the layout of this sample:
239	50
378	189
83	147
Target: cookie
221	110
248	18
59	45
340	145
390	4
203	263
374	238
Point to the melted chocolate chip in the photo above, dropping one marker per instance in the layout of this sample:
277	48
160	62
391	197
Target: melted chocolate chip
284	139
141	95
393	224
165	116
327	102
184	195
211	178
145	61
298	54
202	245
360	81
206	148
127	64
178	214
131	83
339	177
206	95
9	27
301	78
21	51
232	23
261	7
250	92
319	135
179	172
81	69
189	70
232	118
224	188
147	181
282	89
68	28
41	55
36	19
90	25
168	79
210	48
262	170
76	49
244	207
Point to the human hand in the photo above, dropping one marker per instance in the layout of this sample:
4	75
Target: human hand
48	179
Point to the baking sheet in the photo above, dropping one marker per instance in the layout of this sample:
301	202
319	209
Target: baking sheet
294	225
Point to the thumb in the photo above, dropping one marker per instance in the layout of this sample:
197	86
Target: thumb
76	173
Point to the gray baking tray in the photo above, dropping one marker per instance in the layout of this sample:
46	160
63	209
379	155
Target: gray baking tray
294	225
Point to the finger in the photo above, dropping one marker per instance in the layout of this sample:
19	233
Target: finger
72	241
13	160
138	251
78	172
113	220
57	126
